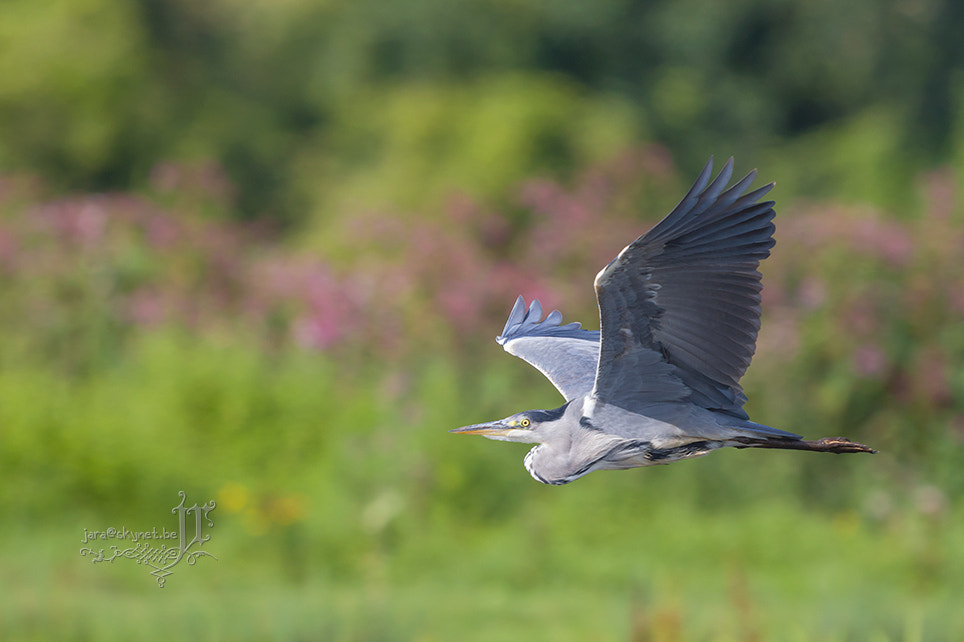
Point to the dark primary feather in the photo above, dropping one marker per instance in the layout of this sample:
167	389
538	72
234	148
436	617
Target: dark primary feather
680	306
565	354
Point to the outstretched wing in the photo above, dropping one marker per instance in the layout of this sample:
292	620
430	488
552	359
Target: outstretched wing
566	354
680	307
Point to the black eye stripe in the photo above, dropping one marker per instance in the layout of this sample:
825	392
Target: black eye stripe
543	416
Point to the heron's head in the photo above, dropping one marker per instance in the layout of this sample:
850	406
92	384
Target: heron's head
529	427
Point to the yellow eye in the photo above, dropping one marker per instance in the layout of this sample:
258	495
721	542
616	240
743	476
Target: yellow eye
524	423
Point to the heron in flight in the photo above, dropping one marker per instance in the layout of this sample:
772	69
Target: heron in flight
679	312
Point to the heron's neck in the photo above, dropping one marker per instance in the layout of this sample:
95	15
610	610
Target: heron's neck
566	447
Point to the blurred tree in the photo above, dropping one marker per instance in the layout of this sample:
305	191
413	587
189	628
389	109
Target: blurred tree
74	83
96	92
400	147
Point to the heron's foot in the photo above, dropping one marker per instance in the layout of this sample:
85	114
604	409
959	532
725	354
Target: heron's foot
838	445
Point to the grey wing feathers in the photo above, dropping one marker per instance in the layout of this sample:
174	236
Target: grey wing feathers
565	354
689	290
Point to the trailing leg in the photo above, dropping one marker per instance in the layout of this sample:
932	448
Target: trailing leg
826	445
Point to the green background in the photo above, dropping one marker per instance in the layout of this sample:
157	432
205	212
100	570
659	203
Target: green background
257	251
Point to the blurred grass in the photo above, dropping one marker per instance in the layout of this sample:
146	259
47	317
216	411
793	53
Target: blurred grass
398	531
795	577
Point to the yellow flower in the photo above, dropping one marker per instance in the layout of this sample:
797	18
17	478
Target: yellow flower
233	497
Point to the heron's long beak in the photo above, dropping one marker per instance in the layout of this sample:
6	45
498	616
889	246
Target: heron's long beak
490	429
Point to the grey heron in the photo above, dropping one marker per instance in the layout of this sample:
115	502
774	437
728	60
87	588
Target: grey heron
679	312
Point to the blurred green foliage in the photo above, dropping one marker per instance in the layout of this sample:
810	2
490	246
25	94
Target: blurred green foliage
256	251
309	103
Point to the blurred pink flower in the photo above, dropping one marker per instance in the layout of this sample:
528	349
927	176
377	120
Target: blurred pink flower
941	193
146	307
162	231
869	360
886	239
460	306
957	299
812	293
401	279
318	331
8	249
74	221
863	231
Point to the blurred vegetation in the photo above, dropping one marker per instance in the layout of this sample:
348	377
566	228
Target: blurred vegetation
309	103
257	251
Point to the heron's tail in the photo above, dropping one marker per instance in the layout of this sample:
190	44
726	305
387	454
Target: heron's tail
826	445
